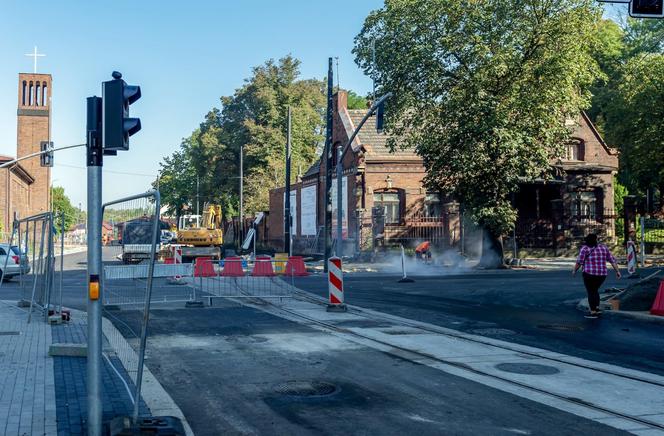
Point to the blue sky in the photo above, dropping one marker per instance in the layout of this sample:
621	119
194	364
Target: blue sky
184	55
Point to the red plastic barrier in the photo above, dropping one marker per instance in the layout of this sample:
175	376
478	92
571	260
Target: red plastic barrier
204	267
263	267
169	261
658	304
295	267
232	267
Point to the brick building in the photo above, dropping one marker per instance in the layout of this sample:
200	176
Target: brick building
25	187
377	180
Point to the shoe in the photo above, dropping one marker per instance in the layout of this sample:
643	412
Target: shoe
591	316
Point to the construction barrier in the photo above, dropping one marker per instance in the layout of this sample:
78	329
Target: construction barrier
335	285
280	262
658	304
204	267
295	267
263	267
232	267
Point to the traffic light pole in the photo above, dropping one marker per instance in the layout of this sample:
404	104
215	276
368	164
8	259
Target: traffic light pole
94	305
327	155
287	205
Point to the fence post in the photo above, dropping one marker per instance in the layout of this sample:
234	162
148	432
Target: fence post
629	210
643	242
558	231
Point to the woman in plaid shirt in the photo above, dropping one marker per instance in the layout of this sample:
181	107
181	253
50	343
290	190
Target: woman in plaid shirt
593	258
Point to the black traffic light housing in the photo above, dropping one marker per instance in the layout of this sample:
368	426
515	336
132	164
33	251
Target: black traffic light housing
380	117
647	8
46	156
117	126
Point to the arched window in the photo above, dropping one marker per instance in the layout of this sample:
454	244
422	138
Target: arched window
31	94
390	202
44	94
25	89
37	93
576	150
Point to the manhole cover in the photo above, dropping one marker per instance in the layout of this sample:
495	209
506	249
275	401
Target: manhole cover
306	388
527	368
9	333
561	327
493	331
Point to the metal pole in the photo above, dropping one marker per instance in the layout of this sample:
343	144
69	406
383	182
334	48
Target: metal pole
146	311
197	196
94	306
241	226
287	205
339	251
643	242
62	255
49	265
327	155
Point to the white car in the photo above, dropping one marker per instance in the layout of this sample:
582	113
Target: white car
17	263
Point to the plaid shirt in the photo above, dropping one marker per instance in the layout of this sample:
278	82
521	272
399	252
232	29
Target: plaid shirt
594	259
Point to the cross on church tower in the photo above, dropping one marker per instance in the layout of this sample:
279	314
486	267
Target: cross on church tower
35	55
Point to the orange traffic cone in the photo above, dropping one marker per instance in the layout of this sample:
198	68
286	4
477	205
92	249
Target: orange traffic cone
658	305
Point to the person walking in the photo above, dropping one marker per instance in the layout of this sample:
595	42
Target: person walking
593	257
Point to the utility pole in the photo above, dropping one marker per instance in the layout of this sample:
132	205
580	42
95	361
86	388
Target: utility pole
339	251
287	205
197	196
241	227
327	155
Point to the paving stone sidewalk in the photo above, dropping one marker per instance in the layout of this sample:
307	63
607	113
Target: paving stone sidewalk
43	395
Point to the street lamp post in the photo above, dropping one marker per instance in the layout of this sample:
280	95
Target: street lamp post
372	110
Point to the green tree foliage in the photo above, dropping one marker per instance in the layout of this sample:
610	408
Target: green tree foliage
252	119
356	101
482	89
635	120
61	203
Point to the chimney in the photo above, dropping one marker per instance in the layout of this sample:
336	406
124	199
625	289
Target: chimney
340	100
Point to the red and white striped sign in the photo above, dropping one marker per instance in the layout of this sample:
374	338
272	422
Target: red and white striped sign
335	281
631	257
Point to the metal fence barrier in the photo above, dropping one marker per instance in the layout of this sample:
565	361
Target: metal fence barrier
30	256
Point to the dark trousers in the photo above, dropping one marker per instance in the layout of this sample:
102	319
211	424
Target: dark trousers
593	283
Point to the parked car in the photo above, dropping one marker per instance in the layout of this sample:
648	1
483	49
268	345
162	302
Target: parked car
17	262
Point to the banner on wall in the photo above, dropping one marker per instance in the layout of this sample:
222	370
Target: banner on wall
308	211
293	211
344	207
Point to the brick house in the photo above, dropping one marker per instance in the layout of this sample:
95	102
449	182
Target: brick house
377	180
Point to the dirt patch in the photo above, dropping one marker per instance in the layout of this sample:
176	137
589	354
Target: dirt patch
640	295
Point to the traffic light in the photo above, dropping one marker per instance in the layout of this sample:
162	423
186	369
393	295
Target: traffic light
46	159
647	8
380	117
117	126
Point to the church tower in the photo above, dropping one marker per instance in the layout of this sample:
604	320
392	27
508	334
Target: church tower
34	126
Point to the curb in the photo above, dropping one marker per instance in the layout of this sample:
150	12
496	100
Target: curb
152	392
606	310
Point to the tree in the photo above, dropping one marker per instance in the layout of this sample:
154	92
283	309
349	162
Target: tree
636	122
61	203
481	92
253	120
356	101
177	182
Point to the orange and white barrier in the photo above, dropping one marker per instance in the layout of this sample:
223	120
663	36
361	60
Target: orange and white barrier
335	282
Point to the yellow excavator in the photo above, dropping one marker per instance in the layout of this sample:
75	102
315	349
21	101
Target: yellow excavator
201	235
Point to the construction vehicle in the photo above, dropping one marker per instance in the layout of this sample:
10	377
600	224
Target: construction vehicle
201	235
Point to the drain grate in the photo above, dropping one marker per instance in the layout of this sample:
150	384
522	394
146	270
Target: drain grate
306	388
561	327
9	333
527	368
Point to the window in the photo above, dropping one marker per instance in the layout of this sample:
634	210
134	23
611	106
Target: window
432	205
37	93
31	94
25	90
585	205
575	151
391	204
44	95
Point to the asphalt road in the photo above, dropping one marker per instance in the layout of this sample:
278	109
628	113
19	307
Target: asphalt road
237	370
536	308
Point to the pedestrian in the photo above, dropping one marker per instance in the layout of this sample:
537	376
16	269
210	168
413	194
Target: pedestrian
593	258
423	251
